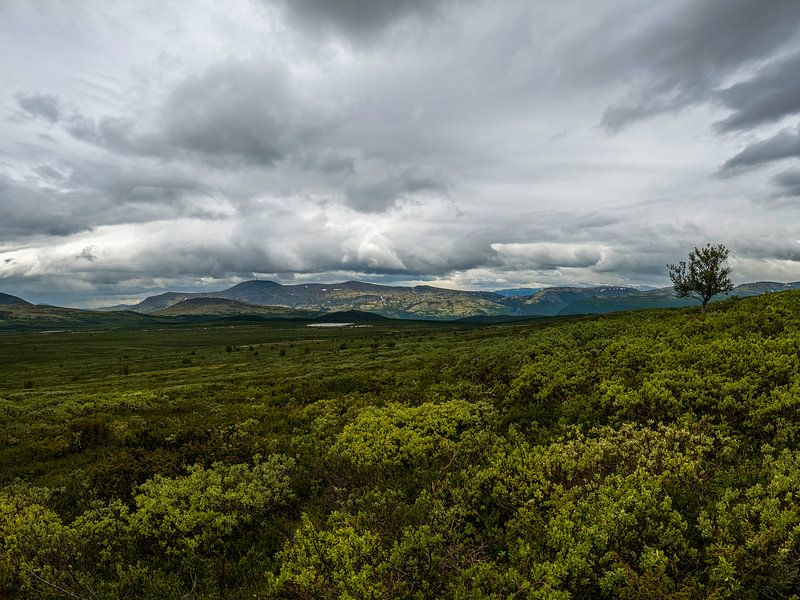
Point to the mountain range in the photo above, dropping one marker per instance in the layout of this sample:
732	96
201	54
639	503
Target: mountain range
356	300
418	302
426	302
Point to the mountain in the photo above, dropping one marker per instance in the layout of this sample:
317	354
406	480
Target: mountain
161	301
636	300
114	308
427	302
419	302
225	307
9	300
558	300
513	292
661	298
764	287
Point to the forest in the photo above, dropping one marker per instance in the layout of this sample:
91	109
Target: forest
640	455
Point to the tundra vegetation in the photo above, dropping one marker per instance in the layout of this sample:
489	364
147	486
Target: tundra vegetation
642	455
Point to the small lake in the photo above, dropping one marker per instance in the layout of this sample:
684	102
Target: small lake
329	325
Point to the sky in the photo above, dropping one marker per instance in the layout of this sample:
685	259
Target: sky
156	145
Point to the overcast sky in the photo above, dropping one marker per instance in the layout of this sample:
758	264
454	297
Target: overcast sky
478	144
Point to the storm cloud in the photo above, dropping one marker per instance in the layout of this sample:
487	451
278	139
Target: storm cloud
783	145
683	52
356	18
788	183
233	112
768	96
470	143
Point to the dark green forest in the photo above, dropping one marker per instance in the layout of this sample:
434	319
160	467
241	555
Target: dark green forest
649	454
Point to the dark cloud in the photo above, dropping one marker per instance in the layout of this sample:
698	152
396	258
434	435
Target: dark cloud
687	50
774	248
44	106
381	194
236	109
772	93
788	183
29	210
783	145
546	257
134	184
235	112
358	19
94	194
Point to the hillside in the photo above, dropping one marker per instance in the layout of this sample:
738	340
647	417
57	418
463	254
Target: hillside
184	313
764	287
9	300
559	300
37	317
224	307
512	292
636	455
606	299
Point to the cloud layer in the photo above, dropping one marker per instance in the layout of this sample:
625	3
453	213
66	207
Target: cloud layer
465	143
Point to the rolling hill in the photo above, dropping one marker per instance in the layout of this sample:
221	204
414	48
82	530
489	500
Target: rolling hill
225	307
36	317
9	300
560	300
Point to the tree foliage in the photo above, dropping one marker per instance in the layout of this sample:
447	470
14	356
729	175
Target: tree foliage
704	276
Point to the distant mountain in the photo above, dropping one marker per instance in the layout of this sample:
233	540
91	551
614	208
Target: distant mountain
763	287
9	300
225	307
352	300
654	298
615	299
558	300
155	303
115	307
513	292
426	302
420	302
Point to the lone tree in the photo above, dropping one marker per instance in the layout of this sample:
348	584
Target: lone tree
704	276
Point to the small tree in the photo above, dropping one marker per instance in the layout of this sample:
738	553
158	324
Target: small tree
704	276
